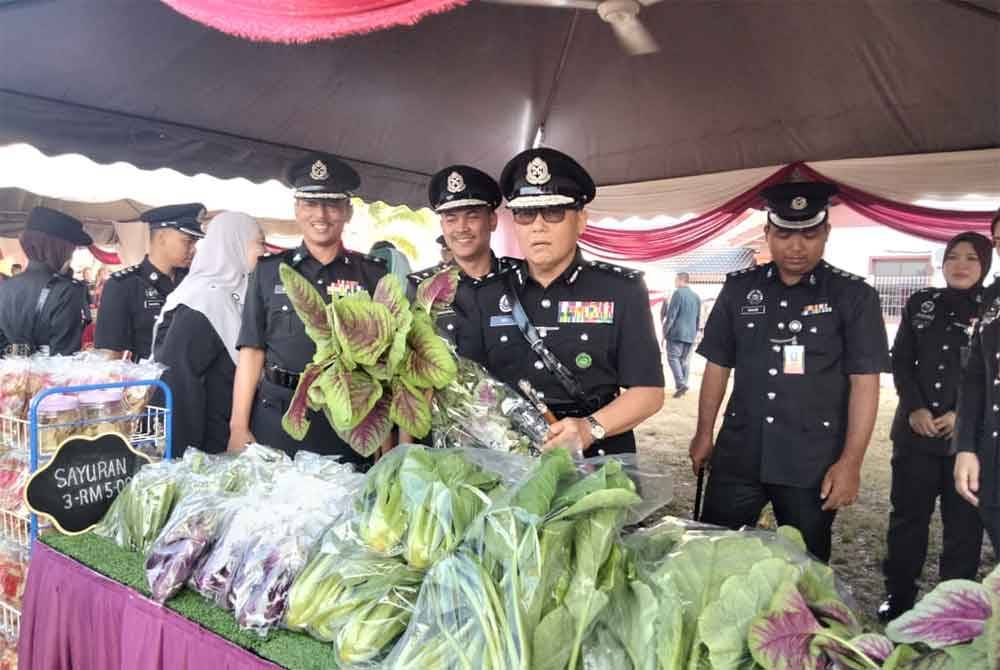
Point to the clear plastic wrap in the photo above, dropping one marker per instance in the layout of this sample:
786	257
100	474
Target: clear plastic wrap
477	410
14	475
140	511
13	572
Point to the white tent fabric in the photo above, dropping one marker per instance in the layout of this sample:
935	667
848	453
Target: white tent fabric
937	180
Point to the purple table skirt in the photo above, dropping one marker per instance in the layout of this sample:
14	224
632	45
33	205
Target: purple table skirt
77	619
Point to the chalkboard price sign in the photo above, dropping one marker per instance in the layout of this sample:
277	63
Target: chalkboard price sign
78	485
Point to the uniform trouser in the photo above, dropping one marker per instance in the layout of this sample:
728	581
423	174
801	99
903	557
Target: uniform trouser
269	406
918	479
679	360
734	502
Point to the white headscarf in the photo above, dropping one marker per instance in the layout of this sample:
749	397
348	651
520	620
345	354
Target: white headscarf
217	283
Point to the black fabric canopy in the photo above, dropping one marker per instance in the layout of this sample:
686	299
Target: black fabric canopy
737	83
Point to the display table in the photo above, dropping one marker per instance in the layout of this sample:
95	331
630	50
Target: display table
75	617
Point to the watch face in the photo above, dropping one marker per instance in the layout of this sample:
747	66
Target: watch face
596	429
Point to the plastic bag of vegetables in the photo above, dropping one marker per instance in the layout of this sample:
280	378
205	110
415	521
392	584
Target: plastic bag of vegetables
478	410
140	511
354	598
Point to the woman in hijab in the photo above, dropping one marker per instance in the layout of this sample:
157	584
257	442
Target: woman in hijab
195	335
931	348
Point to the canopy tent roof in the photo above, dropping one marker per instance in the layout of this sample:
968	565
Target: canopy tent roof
736	85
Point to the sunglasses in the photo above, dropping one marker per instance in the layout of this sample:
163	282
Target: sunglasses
556	214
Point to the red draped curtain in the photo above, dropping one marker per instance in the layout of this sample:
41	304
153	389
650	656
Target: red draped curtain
299	21
651	244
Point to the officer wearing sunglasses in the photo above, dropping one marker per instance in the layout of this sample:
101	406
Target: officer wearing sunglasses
580	332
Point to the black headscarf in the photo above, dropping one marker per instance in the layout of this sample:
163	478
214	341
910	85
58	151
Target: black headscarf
964	301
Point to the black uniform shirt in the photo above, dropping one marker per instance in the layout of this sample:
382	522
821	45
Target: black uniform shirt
460	320
595	319
789	428
131	301
935	329
978	426
269	320
57	323
200	375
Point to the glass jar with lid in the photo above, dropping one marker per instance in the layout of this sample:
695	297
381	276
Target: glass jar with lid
103	411
54	412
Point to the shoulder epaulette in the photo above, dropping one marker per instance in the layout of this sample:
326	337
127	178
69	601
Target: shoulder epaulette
263	258
842	273
502	271
744	271
365	257
125	272
427	273
617	270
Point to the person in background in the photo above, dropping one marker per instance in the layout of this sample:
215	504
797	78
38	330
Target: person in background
930	350
680	328
42	309
273	345
465	199
580	332
977	463
807	342
133	297
395	260
195	334
446	255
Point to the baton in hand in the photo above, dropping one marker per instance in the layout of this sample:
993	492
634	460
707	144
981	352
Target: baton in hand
699	488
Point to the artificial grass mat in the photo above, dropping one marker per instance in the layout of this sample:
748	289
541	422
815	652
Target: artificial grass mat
290	650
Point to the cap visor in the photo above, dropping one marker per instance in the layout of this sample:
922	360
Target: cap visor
458	204
305	195
540	201
788	224
83	240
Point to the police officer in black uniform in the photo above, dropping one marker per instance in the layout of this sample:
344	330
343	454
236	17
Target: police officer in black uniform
42	309
133	297
466	200
272	339
807	342
977	434
579	331
931	348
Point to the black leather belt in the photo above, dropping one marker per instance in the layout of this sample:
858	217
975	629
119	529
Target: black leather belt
281	377
580	410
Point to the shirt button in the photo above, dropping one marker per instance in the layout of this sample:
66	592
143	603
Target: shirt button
826	424
750	325
996	408
769	419
772	372
781	326
584	337
450	326
941	366
546	303
935	404
539	365
814	330
503	338
783	303
937	385
542	332
284	308
600	452
319	281
944	347
776	349
994	433
771	395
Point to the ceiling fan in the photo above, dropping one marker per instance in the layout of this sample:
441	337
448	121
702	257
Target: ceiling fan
621	15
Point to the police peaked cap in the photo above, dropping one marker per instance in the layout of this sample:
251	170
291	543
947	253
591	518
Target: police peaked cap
319	176
543	178
186	218
462	186
57	224
798	205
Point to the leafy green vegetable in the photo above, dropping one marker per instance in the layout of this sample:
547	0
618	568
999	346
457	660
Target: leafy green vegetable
296	419
309	305
429	362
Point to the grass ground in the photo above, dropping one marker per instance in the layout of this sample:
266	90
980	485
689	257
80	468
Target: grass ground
859	531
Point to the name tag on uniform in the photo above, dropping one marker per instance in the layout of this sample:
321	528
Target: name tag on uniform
279	289
586	311
153	304
795	359
501	320
753	310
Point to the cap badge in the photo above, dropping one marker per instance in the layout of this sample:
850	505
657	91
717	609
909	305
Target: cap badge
455	183
538	172
799	203
318	171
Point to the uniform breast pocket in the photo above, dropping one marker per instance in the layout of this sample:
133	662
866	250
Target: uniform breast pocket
280	318
823	341
586	349
506	349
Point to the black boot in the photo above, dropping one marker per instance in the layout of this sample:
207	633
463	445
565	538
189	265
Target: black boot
893	606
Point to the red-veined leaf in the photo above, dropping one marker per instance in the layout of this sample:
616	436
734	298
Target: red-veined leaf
410	409
388	292
366	437
782	638
351	394
363	328
309	305
956	611
296	419
430	362
438	291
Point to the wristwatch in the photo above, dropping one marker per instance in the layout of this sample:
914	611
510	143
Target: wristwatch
596	429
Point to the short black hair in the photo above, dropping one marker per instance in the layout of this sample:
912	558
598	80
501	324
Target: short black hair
16	266
993	224
684	275
383	244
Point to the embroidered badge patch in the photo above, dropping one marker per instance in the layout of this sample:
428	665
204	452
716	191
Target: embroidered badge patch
343	287
586	311
584	361
818	308
755	297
